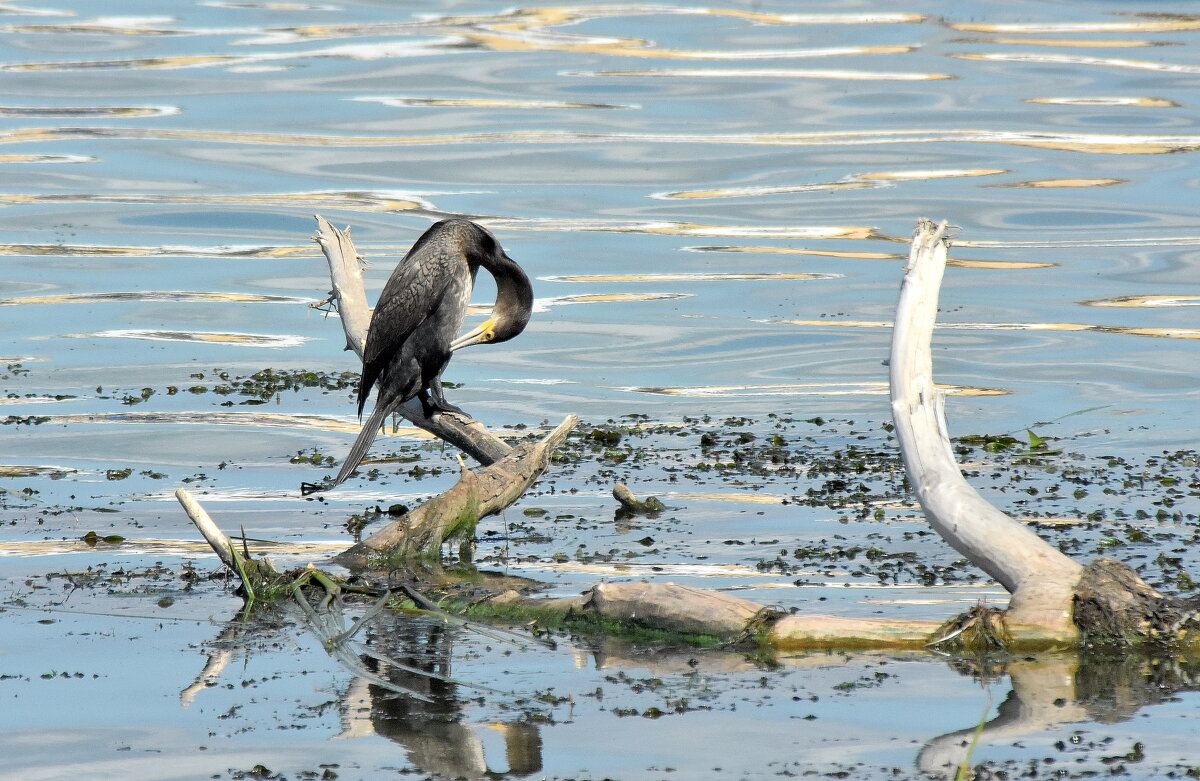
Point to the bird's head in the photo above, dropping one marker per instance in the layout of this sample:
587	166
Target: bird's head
514	295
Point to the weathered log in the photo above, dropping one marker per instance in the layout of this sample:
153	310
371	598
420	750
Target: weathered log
675	608
454	513
1040	578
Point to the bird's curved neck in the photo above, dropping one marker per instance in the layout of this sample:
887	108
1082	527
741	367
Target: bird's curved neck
513	289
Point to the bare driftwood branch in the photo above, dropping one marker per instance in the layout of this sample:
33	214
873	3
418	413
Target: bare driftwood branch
345	272
1040	578
212	533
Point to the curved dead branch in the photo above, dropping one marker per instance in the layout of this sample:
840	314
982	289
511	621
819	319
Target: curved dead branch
454	513
1040	578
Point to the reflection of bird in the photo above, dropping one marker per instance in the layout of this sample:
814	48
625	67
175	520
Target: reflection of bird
421	309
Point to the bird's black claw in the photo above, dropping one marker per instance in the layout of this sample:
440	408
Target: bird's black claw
433	402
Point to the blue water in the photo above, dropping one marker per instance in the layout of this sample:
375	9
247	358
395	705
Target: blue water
154	148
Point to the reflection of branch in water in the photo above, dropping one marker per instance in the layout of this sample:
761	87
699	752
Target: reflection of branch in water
496	633
405	654
1056	690
432	729
218	659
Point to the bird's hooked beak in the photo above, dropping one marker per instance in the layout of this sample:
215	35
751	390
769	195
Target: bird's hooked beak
485	332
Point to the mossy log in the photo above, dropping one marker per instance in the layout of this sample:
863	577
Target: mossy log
454	513
1116	608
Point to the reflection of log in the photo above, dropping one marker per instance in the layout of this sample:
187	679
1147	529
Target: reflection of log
1043	696
1051	690
1040	578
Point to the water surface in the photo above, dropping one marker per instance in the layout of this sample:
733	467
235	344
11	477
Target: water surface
714	203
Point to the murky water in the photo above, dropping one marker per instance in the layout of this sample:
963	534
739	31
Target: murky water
713	202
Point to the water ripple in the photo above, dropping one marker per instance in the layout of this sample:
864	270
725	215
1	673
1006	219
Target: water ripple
1095	143
526	28
1075	59
368	200
850	182
406	102
714	276
1146	301
1159	24
5	159
23	10
209	337
180	296
1074	182
801	389
165	250
1143	102
1012	265
344	424
41	112
1079	43
766	73
687	229
106	25
1162	333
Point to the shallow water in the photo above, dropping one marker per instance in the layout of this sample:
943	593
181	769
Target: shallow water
713	202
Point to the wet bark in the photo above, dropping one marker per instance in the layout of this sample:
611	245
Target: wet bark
454	513
1114	607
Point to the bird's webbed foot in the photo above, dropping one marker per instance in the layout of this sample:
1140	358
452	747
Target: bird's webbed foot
433	401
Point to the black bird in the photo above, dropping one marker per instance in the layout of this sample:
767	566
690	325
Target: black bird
418	313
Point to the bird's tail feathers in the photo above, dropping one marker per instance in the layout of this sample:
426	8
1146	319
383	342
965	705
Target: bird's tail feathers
359	449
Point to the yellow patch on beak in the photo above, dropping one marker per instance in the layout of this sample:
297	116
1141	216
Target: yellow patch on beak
488	328
482	334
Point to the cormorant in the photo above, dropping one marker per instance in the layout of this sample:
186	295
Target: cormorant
421	308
